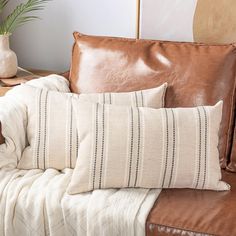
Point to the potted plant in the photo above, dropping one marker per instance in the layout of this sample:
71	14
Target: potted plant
19	16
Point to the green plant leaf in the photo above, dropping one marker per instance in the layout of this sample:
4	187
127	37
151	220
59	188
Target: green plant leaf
3	3
21	15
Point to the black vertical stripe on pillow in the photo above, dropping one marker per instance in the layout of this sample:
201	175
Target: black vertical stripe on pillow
102	150
200	147
205	136
39	127
96	146
45	129
138	150
131	143
167	147
174	147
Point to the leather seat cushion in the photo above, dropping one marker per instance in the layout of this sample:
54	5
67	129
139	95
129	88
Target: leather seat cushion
184	211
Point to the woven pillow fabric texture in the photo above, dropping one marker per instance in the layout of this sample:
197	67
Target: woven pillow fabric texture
123	147
51	129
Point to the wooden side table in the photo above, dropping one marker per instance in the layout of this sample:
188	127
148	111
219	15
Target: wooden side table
22	77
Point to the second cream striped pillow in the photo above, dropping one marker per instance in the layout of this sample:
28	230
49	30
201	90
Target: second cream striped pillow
149	148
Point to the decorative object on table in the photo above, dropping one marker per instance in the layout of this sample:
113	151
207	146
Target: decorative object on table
8	59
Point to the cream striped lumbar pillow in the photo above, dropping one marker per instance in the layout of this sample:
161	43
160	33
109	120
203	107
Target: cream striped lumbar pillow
150	148
52	134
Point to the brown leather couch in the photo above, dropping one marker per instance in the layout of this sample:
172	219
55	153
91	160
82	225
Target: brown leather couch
197	74
186	212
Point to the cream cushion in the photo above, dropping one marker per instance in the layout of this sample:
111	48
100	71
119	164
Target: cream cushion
124	147
51	127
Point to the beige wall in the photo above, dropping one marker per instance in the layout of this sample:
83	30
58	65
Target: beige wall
208	21
167	19
47	43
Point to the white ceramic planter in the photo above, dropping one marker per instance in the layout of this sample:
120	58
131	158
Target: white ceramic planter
8	59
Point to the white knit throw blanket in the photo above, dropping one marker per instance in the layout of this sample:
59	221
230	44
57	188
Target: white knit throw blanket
35	202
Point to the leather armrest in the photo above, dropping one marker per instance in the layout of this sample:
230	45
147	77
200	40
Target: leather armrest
2	139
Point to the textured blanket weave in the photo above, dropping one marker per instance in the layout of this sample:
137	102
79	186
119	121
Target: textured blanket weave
34	202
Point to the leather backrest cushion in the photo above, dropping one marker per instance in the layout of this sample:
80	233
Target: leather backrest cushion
197	74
